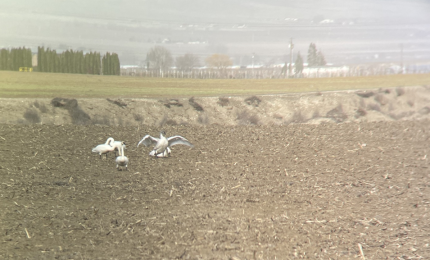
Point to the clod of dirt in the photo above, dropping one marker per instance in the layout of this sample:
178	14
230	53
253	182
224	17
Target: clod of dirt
195	105
253	101
384	91
138	117
171	122
374	107
64	102
246	118
365	94
401	115
172	102
223	101
424	110
203	119
32	116
381	99
61	183
165	121
400	91
78	116
42	108
337	114
360	112
297	118
117	102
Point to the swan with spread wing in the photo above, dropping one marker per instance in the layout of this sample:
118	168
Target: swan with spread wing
163	144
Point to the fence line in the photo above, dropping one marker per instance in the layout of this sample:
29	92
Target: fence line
276	73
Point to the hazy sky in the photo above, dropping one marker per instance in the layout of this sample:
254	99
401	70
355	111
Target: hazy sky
224	10
131	27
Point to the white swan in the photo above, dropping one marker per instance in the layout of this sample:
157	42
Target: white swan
163	144
121	160
118	145
165	154
104	148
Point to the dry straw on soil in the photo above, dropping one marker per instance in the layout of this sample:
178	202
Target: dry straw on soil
328	191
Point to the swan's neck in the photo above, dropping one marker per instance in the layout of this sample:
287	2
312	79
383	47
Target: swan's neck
109	140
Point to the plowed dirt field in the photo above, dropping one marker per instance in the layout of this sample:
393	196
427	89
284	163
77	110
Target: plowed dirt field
339	191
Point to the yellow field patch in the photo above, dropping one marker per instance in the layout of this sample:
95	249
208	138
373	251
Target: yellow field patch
49	85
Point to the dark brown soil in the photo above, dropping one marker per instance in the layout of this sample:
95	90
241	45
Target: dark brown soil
243	192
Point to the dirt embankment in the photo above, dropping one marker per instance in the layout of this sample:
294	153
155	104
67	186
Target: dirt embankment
402	103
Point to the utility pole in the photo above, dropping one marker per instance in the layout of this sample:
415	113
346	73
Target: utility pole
252	65
401	58
291	46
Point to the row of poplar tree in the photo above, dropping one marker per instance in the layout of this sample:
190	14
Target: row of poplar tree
15	58
66	62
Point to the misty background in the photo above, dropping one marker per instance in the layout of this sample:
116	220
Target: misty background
346	32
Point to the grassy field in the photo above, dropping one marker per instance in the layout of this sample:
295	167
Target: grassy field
49	85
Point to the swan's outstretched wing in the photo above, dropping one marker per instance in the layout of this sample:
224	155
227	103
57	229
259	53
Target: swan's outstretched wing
177	139
148	140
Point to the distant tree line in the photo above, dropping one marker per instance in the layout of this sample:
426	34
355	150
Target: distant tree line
15	58
160	58
77	62
66	62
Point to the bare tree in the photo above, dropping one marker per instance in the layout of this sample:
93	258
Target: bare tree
187	62
219	61
159	58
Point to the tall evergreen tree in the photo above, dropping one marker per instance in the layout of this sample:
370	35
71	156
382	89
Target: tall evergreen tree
66	63
312	55
39	58
87	63
30	58
57	65
81	63
321	59
299	64
97	63
117	67
4	57
104	65
11	61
